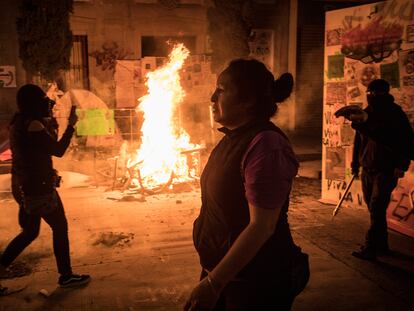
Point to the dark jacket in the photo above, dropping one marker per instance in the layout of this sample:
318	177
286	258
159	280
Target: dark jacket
384	142
225	213
32	167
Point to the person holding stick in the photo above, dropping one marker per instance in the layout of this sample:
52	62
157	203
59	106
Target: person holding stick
383	146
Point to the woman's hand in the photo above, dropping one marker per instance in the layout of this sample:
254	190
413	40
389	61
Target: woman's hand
203	297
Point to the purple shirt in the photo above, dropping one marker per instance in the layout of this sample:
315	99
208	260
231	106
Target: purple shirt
269	166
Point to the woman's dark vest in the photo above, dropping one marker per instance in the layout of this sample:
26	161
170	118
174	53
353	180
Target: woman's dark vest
225	212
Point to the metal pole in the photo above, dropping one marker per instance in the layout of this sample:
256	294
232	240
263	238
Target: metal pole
336	210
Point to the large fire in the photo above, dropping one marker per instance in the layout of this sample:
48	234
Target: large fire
162	154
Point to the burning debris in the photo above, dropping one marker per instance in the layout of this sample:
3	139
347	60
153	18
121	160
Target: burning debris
165	156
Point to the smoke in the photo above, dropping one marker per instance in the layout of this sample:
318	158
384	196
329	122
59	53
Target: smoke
282	117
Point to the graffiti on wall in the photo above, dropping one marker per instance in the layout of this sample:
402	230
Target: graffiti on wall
396	9
372	43
400	212
106	57
339	187
402	207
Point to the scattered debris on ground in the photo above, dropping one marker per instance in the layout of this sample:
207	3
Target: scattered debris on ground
114	239
132	198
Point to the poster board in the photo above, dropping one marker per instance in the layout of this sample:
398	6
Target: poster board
95	122
129	83
364	43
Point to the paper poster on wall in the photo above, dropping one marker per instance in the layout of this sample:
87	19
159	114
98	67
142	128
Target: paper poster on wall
261	46
350	73
347	134
335	66
124	84
390	72
336	93
367	73
333	37
94	122
407	71
7	76
410	33
353	93
335	163
129	83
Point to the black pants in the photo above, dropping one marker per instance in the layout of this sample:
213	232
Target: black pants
30	225
377	187
242	295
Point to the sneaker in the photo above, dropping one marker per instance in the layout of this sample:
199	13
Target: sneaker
365	253
73	280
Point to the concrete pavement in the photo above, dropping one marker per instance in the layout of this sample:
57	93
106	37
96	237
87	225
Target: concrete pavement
141	257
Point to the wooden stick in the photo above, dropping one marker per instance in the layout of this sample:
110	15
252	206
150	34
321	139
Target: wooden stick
335	211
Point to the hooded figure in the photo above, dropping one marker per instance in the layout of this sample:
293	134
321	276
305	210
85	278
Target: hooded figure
382	146
34	180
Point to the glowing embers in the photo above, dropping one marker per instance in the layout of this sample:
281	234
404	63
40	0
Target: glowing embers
166	154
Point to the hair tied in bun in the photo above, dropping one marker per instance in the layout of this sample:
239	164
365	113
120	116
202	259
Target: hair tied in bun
283	87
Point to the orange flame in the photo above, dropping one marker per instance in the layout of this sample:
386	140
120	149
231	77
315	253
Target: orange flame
163	140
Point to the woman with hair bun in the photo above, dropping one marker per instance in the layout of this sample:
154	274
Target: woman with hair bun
242	234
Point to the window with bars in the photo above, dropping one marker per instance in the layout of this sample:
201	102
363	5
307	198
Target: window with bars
77	77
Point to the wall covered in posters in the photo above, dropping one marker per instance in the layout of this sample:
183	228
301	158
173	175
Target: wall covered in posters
364	43
130	76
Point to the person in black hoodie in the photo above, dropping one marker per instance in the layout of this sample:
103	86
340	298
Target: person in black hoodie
33	141
383	148
242	234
